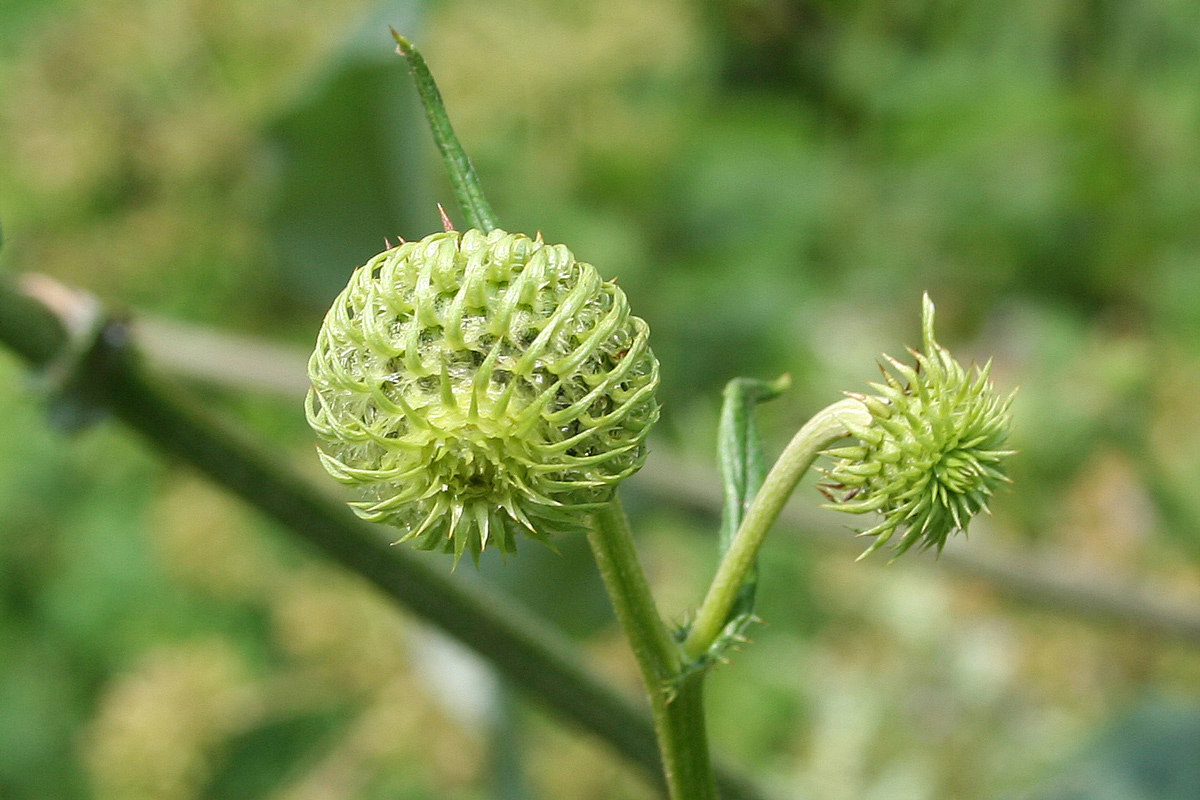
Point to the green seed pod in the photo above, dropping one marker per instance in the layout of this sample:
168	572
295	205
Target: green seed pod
479	386
932	454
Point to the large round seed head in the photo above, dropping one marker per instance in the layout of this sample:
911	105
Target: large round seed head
479	386
932	454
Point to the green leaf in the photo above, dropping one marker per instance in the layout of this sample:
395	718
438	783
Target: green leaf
467	189
739	448
743	468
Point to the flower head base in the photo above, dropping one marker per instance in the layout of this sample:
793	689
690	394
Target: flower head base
932	454
480	386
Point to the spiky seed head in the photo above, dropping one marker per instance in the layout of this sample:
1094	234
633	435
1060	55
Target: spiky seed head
933	453
479	386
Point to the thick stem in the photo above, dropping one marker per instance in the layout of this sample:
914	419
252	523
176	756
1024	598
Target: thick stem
826	427
683	739
612	546
676	701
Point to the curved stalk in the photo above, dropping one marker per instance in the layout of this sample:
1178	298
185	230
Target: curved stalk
826	427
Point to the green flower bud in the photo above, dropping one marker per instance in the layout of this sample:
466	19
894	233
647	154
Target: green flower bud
479	386
931	455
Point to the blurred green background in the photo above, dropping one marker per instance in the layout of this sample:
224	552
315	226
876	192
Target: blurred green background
774	182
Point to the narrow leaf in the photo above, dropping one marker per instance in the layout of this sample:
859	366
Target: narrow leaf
743	466
467	190
739	448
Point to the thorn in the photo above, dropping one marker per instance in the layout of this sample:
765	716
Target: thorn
538	239
386	244
446	223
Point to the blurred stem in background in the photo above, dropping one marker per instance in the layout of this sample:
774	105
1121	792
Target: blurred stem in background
239	363
497	631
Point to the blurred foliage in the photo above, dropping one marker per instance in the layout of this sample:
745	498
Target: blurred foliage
1149	755
774	182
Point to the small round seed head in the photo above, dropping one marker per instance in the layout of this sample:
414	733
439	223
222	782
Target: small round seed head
480	386
932	454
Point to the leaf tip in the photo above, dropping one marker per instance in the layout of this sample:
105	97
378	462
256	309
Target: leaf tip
403	46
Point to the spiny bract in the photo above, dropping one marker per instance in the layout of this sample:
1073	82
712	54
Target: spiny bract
932	454
477	386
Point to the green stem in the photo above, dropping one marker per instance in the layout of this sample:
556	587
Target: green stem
683	740
676	700
467	189
826	427
612	545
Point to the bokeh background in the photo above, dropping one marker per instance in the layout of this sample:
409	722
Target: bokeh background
775	182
